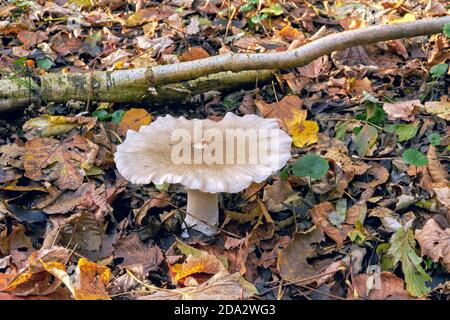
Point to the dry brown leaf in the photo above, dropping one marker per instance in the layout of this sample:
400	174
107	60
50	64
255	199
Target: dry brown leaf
133	119
443	195
145	15
320	216
292	263
435	243
82	230
380	174
31	38
398	47
194	53
222	286
356	87
338	152
276	193
439	108
160	200
402	110
137	257
391	287
11	155
34	280
435	169
315	68
16	240
287	109
63	162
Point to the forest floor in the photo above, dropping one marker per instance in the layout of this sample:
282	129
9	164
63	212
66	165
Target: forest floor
361	211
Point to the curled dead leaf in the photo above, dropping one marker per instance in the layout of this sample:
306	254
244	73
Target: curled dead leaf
385	286
435	242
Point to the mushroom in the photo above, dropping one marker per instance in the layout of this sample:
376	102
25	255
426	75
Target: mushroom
206	157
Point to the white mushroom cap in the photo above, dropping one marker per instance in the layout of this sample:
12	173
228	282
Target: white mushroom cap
146	156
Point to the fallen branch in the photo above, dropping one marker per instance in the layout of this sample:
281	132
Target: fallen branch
175	81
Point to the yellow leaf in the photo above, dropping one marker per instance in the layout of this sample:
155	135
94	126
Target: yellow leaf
439	108
406	18
119	65
304	132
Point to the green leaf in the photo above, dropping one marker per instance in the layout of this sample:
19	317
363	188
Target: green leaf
341	128
438	70
447	30
365	139
247	7
274	10
386	260
20	62
101	114
117	116
402	250
164	187
311	165
44	63
93	171
405	131
415	157
434	139
377	116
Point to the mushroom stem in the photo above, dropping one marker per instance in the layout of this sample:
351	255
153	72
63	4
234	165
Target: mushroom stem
202	206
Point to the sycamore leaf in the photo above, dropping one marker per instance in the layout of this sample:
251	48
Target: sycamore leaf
402	250
311	165
49	159
138	257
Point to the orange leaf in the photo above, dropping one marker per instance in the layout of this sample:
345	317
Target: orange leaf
285	110
290	33
194	53
205	263
91	281
133	119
